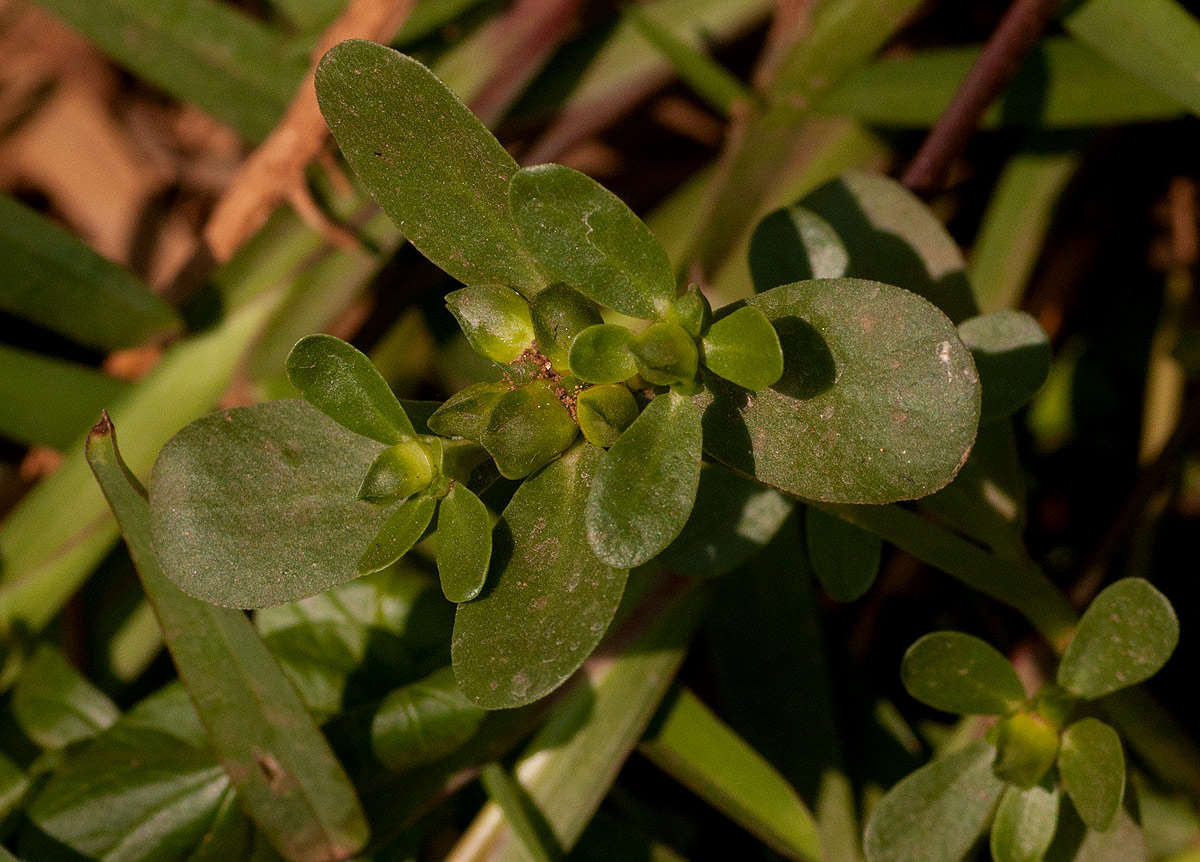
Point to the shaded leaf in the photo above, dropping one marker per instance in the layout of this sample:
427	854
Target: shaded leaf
962	674
528	429
743	348
548	600
467	413
495	320
13	784
795	244
1012	356
1024	824
287	777
937	813
428	161
694	746
1127	633
845	558
524	821
340	381
604	412
878	402
645	485
603	353
398	534
423	721
1092	767
52	279
257	505
464	535
590	239
54	705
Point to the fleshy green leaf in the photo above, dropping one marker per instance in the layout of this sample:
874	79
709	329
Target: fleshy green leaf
1092	767
937	813
284	771
398	471
257	506
845	558
959	673
733	517
795	244
54	705
590	239
878	402
145	789
692	311
1024	824
743	348
340	381
603	354
1127	633
466	414
1012	356
398	534
423	721
52	279
464	536
560	314
645	486
428	161
604	412
694	746
666	354
495	320
548	599
1026	745
13	784
528	429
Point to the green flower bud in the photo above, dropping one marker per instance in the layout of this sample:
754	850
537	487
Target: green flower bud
692	311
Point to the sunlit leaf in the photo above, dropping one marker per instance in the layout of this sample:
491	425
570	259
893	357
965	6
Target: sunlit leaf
528	428
743	348
1024	824
666	354
1012	356
603	354
795	244
604	412
495	320
1092	767
464	536
959	673
423	721
55	705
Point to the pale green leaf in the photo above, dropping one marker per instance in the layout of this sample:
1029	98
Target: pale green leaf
603	353
1092	767
604	412
743	348
1024	824
495	320
528	428
55	705
959	673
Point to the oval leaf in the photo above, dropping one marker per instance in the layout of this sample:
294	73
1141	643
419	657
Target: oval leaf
1012	355
423	721
464	536
258	506
604	412
603	354
937	813
560	314
1024	824
399	471
795	244
645	486
959	673
879	400
494	319
398	534
528	428
548	600
466	414
845	558
666	354
55	705
744	349
1127	633
428	161
1092	767
340	381
587	237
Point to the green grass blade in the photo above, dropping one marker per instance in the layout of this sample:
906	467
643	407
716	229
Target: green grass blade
288	778
695	747
520	815
52	279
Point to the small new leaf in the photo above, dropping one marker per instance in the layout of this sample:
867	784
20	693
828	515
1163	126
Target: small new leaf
398	534
529	428
466	413
495	320
603	354
1092	768
464	544
399	471
666	354
962	674
559	314
744	348
604	412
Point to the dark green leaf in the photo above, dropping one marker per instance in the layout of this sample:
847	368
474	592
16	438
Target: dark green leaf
495	320
51	278
937	813
340	381
230	834
257	505
423	721
1024	824
666	354
695	747
743	348
603	354
55	706
145	789
287	777
1012	356
13	784
795	244
548	600
464	549
587	237
398	534
428	161
845	558
560	314
1127	633
733	517
878	402
604	412
959	673
645	486
1092	767
466	414
528	429
398	471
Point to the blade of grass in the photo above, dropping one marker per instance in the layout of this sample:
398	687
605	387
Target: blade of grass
503	790
289	781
